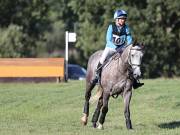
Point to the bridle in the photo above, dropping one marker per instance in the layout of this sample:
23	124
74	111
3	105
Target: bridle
129	57
129	62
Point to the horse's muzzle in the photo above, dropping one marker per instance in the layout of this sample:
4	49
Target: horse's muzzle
136	72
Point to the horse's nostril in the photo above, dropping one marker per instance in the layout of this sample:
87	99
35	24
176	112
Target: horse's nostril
136	76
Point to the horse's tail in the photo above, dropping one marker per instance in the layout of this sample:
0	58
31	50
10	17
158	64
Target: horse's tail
98	94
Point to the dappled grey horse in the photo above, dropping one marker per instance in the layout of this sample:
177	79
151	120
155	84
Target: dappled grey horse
116	78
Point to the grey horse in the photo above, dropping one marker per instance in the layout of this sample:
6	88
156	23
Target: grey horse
116	78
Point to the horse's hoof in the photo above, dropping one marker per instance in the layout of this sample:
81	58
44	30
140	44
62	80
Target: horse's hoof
100	126
94	125
84	120
130	128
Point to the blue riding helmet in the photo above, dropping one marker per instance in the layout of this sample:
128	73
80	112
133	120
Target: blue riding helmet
120	14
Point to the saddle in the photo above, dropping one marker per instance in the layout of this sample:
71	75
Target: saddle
115	56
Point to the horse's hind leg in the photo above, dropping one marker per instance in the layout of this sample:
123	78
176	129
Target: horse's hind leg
97	112
89	87
104	110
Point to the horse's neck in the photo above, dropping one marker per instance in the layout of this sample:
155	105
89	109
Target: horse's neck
124	56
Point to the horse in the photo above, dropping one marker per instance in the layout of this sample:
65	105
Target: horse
116	79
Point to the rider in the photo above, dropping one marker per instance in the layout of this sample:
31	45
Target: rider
118	36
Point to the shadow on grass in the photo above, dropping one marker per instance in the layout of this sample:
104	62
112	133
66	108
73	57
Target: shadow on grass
170	125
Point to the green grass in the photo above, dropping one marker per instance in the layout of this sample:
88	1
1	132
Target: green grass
56	109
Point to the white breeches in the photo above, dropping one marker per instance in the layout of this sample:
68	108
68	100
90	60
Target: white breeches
107	53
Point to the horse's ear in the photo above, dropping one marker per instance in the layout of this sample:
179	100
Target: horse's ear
142	45
135	42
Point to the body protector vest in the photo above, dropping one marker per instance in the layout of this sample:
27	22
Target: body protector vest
119	37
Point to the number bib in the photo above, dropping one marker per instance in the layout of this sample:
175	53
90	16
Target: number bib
119	40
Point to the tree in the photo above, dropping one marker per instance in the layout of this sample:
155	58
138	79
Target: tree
154	22
11	41
37	28
30	16
93	19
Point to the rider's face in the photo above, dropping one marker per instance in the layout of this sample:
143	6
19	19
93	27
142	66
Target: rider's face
120	21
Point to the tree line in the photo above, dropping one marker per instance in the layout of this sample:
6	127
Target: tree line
36	28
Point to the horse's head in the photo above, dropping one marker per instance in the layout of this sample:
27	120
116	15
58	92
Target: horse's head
135	57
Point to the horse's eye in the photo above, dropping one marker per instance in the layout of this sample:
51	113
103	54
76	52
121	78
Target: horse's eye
132	55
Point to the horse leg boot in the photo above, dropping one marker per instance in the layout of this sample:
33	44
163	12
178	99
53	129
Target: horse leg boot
84	118
137	83
98	73
97	112
89	88
104	110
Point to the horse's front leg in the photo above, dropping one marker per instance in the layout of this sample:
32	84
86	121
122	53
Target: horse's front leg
104	110
127	98
97	112
89	87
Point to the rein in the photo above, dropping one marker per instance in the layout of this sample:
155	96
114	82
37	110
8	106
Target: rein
118	56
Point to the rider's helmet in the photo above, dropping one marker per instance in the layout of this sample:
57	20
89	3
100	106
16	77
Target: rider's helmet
120	14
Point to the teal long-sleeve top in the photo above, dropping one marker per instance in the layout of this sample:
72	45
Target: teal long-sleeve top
118	41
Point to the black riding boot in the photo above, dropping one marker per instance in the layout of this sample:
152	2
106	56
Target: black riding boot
98	73
137	84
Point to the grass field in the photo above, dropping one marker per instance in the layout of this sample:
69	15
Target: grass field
55	109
